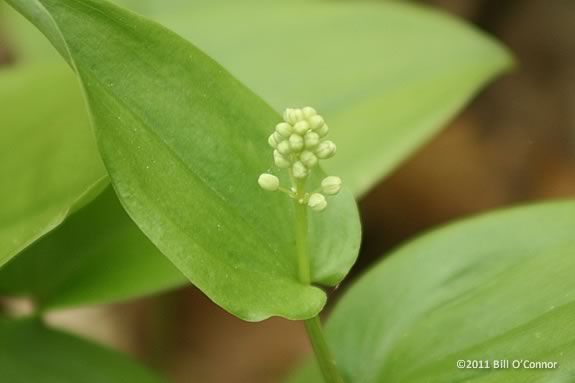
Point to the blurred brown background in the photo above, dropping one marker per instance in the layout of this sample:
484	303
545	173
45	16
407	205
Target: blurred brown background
514	143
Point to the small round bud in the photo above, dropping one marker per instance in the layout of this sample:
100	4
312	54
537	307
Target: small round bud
287	115
325	149
296	142
292	115
284	129
299	170
322	131
308	111
317	202
308	159
316	121
301	127
331	185
280	161
311	140
284	147
272	141
269	182
297	115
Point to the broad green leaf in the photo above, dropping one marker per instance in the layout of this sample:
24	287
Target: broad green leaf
386	75
184	143
498	286
49	165
423	55
31	352
97	256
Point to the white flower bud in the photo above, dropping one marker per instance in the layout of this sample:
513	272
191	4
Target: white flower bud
301	127
316	121
296	142
331	185
269	182
308	159
272	141
284	147
308	111
325	149
317	202
311	140
287	115
280	161
299	170
292	115
284	129
297	115
322	131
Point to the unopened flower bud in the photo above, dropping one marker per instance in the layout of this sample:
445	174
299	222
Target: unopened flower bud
317	202
299	170
269	182
326	149
292	115
287	115
308	159
316	121
311	140
301	127
331	185
284	129
296	142
308	111
272	141
284	148
322	130
280	161
297	115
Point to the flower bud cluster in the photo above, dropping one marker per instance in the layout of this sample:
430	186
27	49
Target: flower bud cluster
299	141
299	144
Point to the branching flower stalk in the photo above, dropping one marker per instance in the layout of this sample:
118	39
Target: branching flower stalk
298	145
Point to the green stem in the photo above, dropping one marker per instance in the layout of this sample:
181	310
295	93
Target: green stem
313	326
301	242
322	352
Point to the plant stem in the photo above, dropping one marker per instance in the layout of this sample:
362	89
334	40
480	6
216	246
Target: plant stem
313	326
301	243
322	352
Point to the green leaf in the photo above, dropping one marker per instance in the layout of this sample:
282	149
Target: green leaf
498	286
49	165
423	71
30	352
97	256
387	76
184	143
